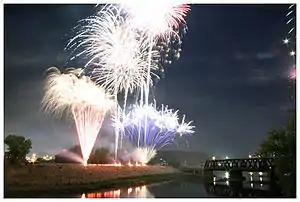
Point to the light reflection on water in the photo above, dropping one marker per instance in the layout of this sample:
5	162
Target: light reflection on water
131	192
253	180
186	189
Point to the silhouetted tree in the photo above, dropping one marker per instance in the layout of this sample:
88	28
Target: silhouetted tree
281	145
100	156
18	148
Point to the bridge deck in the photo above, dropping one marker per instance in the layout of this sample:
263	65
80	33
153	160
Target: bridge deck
253	164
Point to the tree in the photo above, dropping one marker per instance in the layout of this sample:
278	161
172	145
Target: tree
100	156
18	148
281	145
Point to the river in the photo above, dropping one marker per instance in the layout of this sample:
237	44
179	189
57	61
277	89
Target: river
187	187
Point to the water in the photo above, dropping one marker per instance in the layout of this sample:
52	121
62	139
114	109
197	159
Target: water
187	187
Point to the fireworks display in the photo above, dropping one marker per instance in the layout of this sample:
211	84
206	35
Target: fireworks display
87	102
290	39
124	48
118	54
125	44
168	16
143	154
289	42
161	130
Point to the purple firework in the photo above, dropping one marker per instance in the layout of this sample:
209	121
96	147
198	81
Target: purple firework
163	126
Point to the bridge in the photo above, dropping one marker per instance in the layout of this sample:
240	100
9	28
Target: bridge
250	164
235	167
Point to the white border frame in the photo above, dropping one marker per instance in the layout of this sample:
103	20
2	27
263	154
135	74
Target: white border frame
116	1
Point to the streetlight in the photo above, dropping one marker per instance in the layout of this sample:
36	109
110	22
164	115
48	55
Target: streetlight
213	158
250	156
226	157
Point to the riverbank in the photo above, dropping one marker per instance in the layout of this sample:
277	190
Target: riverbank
65	178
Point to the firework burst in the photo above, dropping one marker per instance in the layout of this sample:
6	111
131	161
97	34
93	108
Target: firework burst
118	54
87	102
143	155
162	128
155	18
119	45
168	16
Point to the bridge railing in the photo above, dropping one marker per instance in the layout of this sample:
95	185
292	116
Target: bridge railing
253	164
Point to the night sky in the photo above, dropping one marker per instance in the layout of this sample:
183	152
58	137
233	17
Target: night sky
231	78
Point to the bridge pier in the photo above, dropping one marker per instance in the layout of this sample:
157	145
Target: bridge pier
236	175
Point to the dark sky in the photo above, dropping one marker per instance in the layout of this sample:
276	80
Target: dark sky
230	79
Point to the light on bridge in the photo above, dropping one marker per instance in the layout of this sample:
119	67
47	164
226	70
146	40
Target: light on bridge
213	158
250	156
226	157
227	175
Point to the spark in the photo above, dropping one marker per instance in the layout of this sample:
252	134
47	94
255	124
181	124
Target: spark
290	20
143	155
87	102
168	16
117	53
292	53
293	74
290	40
292	29
289	13
157	18
286	41
162	126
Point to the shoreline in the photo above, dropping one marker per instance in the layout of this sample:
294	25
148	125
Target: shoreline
72	178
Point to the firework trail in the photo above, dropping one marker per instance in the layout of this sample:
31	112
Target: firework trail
118	55
169	52
119	44
290	42
168	17
143	154
162	128
87	102
290	39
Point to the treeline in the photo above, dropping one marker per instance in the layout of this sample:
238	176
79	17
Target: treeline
98	156
18	147
281	145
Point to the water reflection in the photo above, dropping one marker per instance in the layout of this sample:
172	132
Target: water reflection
254	184
241	189
131	192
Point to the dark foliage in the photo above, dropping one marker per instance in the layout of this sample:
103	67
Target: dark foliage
18	148
281	145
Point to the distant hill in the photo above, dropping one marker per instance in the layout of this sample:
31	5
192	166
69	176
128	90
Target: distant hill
176	158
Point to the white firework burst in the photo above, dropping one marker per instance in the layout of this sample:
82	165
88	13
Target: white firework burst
64	91
117	53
